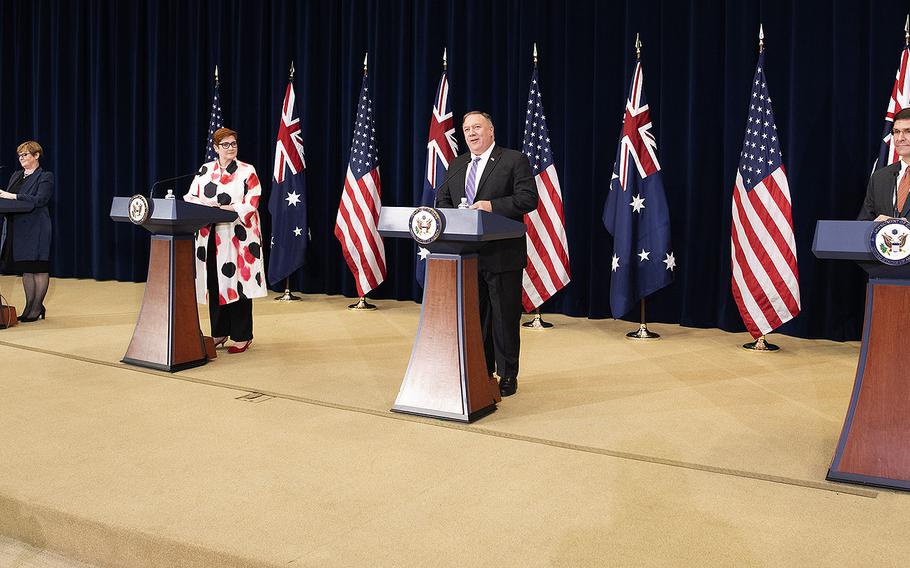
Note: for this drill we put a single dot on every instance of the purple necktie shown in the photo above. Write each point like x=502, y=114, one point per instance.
x=471, y=182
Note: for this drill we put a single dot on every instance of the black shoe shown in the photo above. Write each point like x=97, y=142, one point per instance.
x=41, y=315
x=508, y=386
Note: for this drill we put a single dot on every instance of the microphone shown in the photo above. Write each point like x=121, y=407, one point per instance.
x=450, y=175
x=197, y=173
x=897, y=174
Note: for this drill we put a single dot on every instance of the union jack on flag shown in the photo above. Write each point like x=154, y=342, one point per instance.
x=765, y=278
x=287, y=202
x=636, y=211
x=441, y=150
x=547, y=270
x=900, y=99
x=358, y=212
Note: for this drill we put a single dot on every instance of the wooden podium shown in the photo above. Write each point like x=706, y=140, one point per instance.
x=874, y=445
x=8, y=208
x=447, y=374
x=167, y=334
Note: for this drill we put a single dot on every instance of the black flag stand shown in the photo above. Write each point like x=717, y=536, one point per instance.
x=362, y=305
x=538, y=322
x=287, y=296
x=643, y=332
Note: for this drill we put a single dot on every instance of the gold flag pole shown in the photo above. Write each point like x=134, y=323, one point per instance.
x=362, y=305
x=538, y=321
x=642, y=333
x=907, y=32
x=288, y=296
x=761, y=344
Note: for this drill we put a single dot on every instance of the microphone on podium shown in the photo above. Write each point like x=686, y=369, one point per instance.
x=197, y=173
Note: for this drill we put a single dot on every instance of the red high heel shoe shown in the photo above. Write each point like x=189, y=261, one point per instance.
x=234, y=349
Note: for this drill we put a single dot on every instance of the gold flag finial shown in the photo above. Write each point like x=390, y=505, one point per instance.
x=761, y=38
x=535, y=54
x=292, y=70
x=637, y=46
x=216, y=75
x=365, y=55
x=445, y=63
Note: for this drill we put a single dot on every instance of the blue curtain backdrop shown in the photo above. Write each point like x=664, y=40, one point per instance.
x=118, y=95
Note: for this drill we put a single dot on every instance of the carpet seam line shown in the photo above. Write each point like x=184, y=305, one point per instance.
x=783, y=480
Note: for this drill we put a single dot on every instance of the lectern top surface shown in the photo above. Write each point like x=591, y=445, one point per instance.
x=173, y=216
x=460, y=224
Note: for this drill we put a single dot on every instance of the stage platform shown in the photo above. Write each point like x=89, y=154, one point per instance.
x=688, y=451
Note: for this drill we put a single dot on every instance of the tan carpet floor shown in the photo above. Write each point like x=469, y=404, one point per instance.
x=687, y=451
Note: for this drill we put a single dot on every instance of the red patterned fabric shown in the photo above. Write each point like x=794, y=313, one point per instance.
x=241, y=270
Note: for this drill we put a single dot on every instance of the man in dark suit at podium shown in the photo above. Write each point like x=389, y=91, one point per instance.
x=886, y=195
x=497, y=180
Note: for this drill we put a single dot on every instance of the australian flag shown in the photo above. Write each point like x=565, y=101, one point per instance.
x=287, y=202
x=636, y=212
x=441, y=150
x=215, y=122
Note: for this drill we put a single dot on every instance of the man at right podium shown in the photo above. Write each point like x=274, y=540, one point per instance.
x=886, y=195
x=497, y=180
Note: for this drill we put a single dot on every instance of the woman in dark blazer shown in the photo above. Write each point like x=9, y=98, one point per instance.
x=26, y=237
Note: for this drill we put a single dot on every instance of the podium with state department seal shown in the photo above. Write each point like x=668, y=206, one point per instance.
x=874, y=444
x=167, y=335
x=447, y=374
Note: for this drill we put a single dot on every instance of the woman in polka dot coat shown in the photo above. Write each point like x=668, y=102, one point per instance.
x=229, y=267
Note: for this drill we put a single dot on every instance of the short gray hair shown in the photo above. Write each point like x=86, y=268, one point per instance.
x=480, y=112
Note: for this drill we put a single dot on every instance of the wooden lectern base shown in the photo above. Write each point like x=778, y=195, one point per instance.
x=447, y=375
x=874, y=446
x=167, y=335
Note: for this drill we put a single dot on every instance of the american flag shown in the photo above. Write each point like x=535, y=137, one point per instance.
x=441, y=150
x=548, y=252
x=636, y=211
x=900, y=99
x=358, y=212
x=215, y=122
x=287, y=202
x=763, y=249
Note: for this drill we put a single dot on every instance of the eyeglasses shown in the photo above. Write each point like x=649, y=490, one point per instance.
x=227, y=145
x=24, y=154
x=897, y=133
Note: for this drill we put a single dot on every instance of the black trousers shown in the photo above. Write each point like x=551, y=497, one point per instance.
x=234, y=319
x=500, y=318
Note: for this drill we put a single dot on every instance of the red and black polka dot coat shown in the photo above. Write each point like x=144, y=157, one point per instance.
x=241, y=271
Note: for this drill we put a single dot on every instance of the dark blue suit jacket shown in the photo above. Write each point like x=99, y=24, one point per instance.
x=32, y=230
x=508, y=183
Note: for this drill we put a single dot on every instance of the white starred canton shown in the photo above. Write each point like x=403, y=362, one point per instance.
x=761, y=150
x=537, y=140
x=364, y=150
x=215, y=122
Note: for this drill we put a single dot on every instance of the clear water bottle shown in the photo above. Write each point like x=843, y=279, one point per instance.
x=464, y=203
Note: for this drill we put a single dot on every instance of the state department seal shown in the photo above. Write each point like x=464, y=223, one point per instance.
x=426, y=224
x=890, y=243
x=140, y=209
